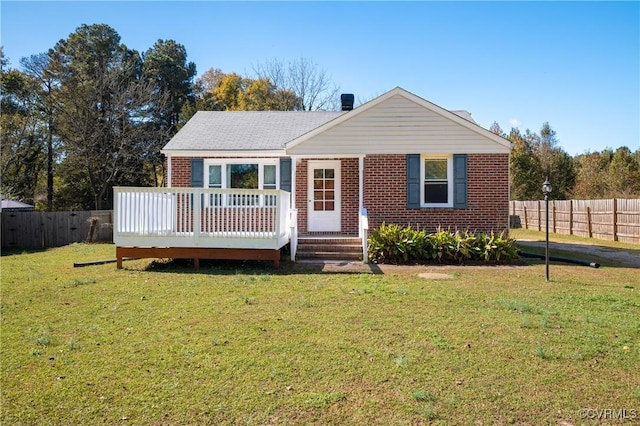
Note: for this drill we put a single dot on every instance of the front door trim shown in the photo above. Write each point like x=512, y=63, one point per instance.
x=324, y=196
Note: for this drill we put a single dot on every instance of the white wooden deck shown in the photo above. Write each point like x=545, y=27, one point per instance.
x=201, y=218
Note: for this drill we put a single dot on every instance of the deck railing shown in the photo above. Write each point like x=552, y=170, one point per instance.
x=364, y=234
x=201, y=217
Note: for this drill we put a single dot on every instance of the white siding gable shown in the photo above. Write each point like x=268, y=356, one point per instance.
x=399, y=123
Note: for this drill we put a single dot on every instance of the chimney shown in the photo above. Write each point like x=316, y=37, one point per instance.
x=347, y=101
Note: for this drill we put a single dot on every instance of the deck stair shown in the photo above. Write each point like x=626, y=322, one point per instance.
x=329, y=248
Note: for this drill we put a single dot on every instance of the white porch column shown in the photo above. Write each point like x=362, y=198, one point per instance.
x=168, y=183
x=360, y=193
x=294, y=161
x=360, y=183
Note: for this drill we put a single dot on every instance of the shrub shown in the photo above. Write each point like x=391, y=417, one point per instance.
x=401, y=245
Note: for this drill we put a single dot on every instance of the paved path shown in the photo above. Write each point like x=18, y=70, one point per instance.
x=628, y=257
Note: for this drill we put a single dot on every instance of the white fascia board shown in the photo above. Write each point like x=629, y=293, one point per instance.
x=324, y=156
x=234, y=154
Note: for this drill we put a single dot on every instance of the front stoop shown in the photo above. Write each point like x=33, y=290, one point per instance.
x=329, y=248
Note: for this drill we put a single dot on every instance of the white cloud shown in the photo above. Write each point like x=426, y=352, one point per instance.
x=515, y=122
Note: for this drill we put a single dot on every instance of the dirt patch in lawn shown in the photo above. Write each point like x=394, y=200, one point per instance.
x=435, y=276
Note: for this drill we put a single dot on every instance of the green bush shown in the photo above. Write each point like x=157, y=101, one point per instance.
x=401, y=245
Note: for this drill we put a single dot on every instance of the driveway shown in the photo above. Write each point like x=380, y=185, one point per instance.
x=627, y=257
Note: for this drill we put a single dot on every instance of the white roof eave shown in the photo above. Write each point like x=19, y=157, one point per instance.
x=211, y=153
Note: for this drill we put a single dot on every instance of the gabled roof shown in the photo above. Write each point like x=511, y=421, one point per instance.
x=245, y=131
x=397, y=121
x=461, y=118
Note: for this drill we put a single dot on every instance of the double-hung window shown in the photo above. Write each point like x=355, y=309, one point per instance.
x=241, y=174
x=437, y=181
x=215, y=181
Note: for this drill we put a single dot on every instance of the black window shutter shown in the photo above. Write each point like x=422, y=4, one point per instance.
x=285, y=174
x=197, y=172
x=460, y=181
x=413, y=181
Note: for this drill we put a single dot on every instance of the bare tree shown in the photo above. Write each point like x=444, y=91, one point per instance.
x=112, y=147
x=311, y=84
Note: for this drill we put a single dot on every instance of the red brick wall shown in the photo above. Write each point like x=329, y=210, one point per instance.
x=385, y=190
x=350, y=181
x=180, y=172
x=301, y=194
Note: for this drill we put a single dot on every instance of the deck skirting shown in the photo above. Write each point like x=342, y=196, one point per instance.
x=196, y=254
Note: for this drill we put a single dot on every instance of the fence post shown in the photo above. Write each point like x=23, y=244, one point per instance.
x=570, y=217
x=539, y=219
x=526, y=223
x=615, y=220
x=554, y=216
x=589, y=222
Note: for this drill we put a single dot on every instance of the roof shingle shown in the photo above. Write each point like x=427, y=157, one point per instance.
x=246, y=130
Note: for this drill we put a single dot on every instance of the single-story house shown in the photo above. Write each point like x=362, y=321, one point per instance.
x=395, y=159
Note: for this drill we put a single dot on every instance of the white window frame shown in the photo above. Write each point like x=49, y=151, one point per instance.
x=449, y=159
x=224, y=162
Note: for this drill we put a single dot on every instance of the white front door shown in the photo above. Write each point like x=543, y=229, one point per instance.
x=323, y=196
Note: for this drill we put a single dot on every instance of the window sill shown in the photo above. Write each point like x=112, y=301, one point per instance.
x=436, y=206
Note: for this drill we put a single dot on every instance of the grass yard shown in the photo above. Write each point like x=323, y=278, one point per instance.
x=161, y=344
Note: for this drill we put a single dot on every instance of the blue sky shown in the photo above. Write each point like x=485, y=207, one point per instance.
x=573, y=64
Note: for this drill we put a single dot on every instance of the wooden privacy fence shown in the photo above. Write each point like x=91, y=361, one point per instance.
x=614, y=219
x=55, y=229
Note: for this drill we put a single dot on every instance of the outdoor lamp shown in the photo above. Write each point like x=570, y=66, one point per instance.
x=546, y=189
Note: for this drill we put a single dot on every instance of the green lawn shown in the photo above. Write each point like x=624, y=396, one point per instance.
x=161, y=344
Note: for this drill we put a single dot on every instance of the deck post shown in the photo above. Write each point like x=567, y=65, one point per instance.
x=278, y=210
x=118, y=258
x=197, y=216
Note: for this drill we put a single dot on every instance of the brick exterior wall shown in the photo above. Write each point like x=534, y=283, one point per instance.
x=385, y=190
x=350, y=190
x=301, y=194
x=180, y=172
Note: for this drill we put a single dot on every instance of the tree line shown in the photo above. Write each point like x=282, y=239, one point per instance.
x=588, y=176
x=91, y=114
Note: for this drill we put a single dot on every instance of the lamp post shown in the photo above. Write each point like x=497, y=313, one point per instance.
x=546, y=189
